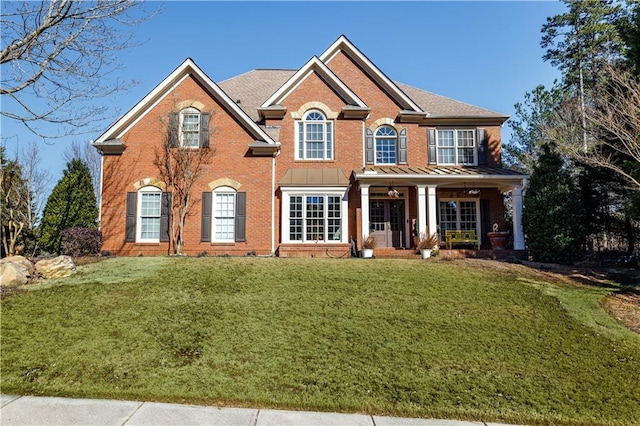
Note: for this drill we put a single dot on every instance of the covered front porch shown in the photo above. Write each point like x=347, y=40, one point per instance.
x=400, y=204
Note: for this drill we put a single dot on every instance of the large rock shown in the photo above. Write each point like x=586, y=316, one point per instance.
x=61, y=266
x=20, y=260
x=13, y=275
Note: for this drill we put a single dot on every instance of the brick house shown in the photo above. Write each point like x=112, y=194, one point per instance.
x=304, y=161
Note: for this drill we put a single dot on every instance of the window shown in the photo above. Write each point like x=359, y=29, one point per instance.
x=315, y=217
x=458, y=214
x=190, y=128
x=386, y=138
x=456, y=147
x=149, y=213
x=315, y=137
x=224, y=214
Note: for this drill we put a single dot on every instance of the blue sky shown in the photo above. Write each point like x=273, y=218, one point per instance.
x=484, y=53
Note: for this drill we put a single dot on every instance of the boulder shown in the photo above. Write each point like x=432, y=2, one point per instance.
x=13, y=275
x=20, y=260
x=61, y=266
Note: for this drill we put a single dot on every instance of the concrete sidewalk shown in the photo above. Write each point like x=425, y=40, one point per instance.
x=33, y=410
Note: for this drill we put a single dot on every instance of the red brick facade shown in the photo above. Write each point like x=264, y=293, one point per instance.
x=131, y=145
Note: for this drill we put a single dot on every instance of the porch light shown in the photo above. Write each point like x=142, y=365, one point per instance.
x=393, y=193
x=473, y=192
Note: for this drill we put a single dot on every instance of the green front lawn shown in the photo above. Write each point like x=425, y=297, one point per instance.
x=467, y=339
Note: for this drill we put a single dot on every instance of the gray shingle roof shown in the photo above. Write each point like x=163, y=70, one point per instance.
x=253, y=88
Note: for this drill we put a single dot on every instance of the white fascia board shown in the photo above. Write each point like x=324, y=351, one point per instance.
x=343, y=44
x=188, y=67
x=314, y=64
x=442, y=178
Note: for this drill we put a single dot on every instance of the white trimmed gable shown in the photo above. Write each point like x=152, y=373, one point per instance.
x=317, y=66
x=186, y=69
x=344, y=45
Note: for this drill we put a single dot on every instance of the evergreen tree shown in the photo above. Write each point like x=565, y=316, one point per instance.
x=71, y=204
x=529, y=124
x=629, y=28
x=553, y=215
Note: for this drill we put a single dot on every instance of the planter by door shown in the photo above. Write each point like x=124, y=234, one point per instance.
x=426, y=253
x=498, y=240
x=367, y=253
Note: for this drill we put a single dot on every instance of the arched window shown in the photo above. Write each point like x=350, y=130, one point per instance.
x=386, y=143
x=190, y=128
x=315, y=137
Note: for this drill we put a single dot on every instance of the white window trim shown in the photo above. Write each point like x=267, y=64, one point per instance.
x=455, y=146
x=190, y=111
x=222, y=190
x=458, y=200
x=324, y=132
x=288, y=192
x=375, y=145
x=146, y=189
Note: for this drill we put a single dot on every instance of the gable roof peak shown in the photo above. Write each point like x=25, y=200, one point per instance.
x=314, y=65
x=187, y=68
x=343, y=44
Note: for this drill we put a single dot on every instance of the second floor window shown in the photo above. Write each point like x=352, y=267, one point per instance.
x=315, y=137
x=386, y=139
x=456, y=147
x=190, y=128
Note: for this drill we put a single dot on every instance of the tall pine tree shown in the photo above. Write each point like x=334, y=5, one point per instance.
x=553, y=212
x=71, y=204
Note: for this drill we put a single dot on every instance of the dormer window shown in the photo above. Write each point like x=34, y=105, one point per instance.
x=386, y=142
x=315, y=137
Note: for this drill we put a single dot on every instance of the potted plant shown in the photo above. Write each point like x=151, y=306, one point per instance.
x=368, y=244
x=498, y=239
x=427, y=244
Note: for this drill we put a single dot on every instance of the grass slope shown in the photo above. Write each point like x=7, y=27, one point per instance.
x=397, y=337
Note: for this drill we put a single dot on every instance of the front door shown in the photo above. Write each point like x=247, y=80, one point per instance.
x=386, y=218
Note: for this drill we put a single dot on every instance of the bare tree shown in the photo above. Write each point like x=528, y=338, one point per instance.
x=614, y=121
x=180, y=168
x=90, y=157
x=13, y=204
x=60, y=53
x=37, y=181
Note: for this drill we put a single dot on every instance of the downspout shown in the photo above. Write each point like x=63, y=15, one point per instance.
x=100, y=189
x=273, y=202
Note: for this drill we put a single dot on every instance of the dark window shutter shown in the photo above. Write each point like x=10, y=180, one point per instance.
x=165, y=213
x=174, y=129
x=483, y=147
x=241, y=216
x=431, y=141
x=402, y=147
x=369, y=148
x=207, y=205
x=204, y=129
x=130, y=226
x=485, y=220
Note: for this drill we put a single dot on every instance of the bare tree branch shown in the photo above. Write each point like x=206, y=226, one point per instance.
x=60, y=53
x=180, y=168
x=614, y=126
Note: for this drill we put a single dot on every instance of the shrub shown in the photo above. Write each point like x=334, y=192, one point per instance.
x=81, y=241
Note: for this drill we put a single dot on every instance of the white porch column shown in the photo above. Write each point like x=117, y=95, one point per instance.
x=433, y=220
x=422, y=210
x=364, y=203
x=518, y=233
